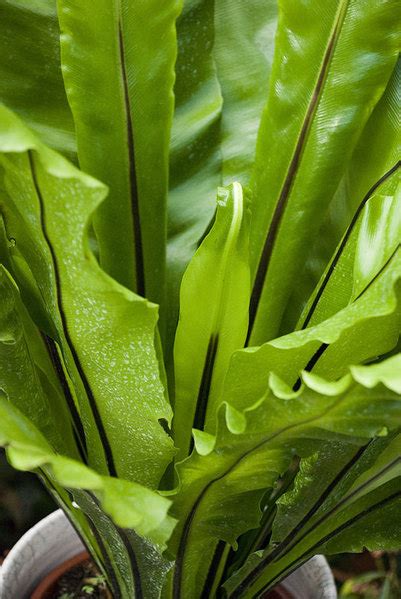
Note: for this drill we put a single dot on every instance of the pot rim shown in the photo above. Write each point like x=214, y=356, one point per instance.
x=27, y=538
x=36, y=553
x=48, y=581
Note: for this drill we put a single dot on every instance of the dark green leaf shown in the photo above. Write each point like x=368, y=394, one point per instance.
x=30, y=75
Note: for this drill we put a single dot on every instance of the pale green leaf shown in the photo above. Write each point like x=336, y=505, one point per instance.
x=243, y=52
x=365, y=172
x=359, y=332
x=22, y=379
x=367, y=245
x=137, y=507
x=195, y=160
x=213, y=317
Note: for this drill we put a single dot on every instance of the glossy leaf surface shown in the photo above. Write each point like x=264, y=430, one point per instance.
x=51, y=203
x=367, y=245
x=364, y=173
x=195, y=160
x=243, y=53
x=23, y=380
x=281, y=360
x=224, y=59
x=131, y=505
x=353, y=335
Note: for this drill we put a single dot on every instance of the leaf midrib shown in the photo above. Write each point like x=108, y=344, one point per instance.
x=60, y=305
x=294, y=165
x=219, y=309
x=301, y=559
x=132, y=175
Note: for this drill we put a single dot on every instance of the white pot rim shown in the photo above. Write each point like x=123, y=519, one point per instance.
x=42, y=548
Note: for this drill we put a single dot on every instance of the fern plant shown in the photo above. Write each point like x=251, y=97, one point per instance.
x=211, y=390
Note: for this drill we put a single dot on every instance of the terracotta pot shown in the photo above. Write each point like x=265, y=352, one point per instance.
x=53, y=542
x=46, y=587
x=279, y=593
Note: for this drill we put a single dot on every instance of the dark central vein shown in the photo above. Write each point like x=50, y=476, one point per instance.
x=344, y=241
x=107, y=563
x=133, y=562
x=179, y=562
x=122, y=533
x=311, y=364
x=288, y=181
x=213, y=571
x=78, y=429
x=205, y=384
x=103, y=556
x=92, y=402
x=136, y=221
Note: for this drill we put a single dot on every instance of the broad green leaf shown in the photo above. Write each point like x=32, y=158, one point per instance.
x=372, y=524
x=129, y=504
x=318, y=476
x=378, y=373
x=220, y=493
x=115, y=55
x=44, y=353
x=382, y=136
x=22, y=380
x=362, y=330
x=243, y=52
x=364, y=175
x=352, y=471
x=30, y=75
x=119, y=391
x=309, y=130
x=131, y=564
x=213, y=317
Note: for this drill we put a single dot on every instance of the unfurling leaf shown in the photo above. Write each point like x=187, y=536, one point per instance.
x=213, y=317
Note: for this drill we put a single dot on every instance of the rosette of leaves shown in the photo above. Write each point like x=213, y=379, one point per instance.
x=211, y=390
